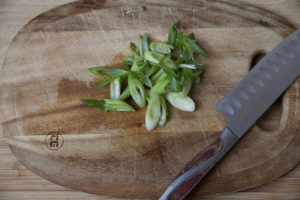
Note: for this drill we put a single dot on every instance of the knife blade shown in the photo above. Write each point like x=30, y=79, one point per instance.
x=242, y=107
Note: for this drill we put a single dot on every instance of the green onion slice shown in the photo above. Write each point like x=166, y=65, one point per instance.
x=115, y=88
x=145, y=42
x=184, y=103
x=172, y=35
x=168, y=62
x=113, y=72
x=160, y=87
x=137, y=90
x=190, y=66
x=162, y=48
x=163, y=111
x=187, y=84
x=93, y=103
x=117, y=105
x=153, y=57
x=125, y=94
x=152, y=113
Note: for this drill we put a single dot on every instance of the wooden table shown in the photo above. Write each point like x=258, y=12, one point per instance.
x=17, y=182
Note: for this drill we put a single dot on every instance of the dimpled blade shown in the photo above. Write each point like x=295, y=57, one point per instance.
x=258, y=90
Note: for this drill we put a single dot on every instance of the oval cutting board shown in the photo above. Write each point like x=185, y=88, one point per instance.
x=45, y=76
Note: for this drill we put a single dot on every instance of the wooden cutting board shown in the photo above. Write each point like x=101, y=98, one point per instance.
x=44, y=78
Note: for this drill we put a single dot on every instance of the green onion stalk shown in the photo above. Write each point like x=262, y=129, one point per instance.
x=137, y=90
x=153, y=112
x=115, y=88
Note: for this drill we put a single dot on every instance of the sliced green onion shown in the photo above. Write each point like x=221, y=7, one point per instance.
x=187, y=84
x=144, y=79
x=115, y=72
x=184, y=103
x=161, y=47
x=163, y=111
x=141, y=49
x=160, y=87
x=145, y=42
x=137, y=63
x=155, y=76
x=125, y=94
x=104, y=82
x=151, y=70
x=127, y=62
x=161, y=77
x=153, y=56
x=117, y=105
x=115, y=88
x=137, y=90
x=195, y=47
x=152, y=113
x=172, y=35
x=133, y=48
x=176, y=85
x=190, y=66
x=93, y=103
x=168, y=73
x=168, y=62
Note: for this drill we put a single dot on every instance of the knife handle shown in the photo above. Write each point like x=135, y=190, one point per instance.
x=199, y=166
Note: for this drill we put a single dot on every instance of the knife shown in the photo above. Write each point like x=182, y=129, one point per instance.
x=242, y=106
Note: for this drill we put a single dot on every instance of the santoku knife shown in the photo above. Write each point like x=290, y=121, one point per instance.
x=242, y=106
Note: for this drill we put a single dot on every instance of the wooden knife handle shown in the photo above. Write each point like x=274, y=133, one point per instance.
x=199, y=166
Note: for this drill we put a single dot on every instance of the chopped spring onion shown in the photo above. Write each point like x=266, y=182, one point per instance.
x=172, y=35
x=160, y=87
x=168, y=62
x=184, y=103
x=137, y=90
x=163, y=111
x=141, y=49
x=154, y=72
x=117, y=105
x=161, y=47
x=187, y=84
x=153, y=56
x=138, y=63
x=152, y=113
x=125, y=94
x=161, y=76
x=145, y=42
x=155, y=76
x=190, y=66
x=93, y=103
x=108, y=104
x=115, y=88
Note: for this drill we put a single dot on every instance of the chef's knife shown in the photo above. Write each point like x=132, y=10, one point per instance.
x=242, y=106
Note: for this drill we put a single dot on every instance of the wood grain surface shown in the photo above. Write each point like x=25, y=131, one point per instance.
x=66, y=85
